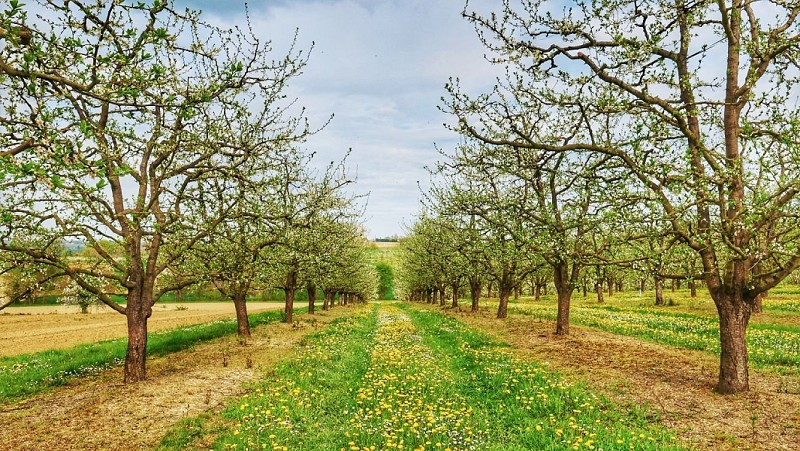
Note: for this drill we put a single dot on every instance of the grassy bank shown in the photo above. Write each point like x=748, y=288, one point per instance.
x=27, y=374
x=769, y=345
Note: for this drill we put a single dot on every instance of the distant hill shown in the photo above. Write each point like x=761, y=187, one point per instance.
x=74, y=246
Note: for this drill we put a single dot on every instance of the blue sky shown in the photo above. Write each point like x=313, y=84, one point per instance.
x=380, y=67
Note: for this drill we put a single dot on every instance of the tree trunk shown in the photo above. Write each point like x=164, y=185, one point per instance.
x=673, y=285
x=137, y=312
x=564, y=291
x=312, y=297
x=659, y=282
x=505, y=294
x=599, y=289
x=733, y=371
x=585, y=291
x=692, y=288
x=475, y=292
x=758, y=302
x=610, y=281
x=537, y=292
x=516, y=293
x=289, y=306
x=455, y=295
x=242, y=321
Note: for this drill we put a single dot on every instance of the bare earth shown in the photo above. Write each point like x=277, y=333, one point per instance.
x=675, y=384
x=35, y=329
x=103, y=413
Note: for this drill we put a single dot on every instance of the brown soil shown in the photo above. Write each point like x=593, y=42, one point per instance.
x=103, y=413
x=675, y=385
x=34, y=329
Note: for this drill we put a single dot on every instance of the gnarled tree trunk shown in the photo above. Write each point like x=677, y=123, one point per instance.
x=137, y=312
x=734, y=314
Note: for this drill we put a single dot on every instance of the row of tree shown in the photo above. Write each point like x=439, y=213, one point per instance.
x=621, y=130
x=167, y=146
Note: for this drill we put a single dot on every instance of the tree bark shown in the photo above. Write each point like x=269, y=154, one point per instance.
x=327, y=299
x=502, y=308
x=242, y=321
x=312, y=297
x=733, y=370
x=441, y=296
x=288, y=308
x=659, y=283
x=138, y=310
x=562, y=320
x=455, y=295
x=537, y=292
x=475, y=292
x=758, y=306
x=692, y=288
x=564, y=289
x=599, y=289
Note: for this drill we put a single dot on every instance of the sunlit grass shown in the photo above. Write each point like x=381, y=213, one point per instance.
x=769, y=345
x=413, y=380
x=523, y=405
x=304, y=400
x=27, y=374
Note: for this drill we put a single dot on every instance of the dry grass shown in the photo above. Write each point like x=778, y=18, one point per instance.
x=35, y=329
x=676, y=385
x=103, y=413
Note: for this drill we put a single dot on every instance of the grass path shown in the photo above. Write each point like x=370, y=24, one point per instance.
x=404, y=378
x=676, y=385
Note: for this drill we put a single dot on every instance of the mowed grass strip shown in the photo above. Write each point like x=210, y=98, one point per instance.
x=419, y=380
x=408, y=399
x=25, y=375
x=773, y=346
x=303, y=403
x=525, y=406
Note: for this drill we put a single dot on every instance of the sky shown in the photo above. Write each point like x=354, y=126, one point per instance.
x=379, y=66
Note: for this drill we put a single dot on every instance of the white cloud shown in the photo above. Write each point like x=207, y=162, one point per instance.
x=380, y=67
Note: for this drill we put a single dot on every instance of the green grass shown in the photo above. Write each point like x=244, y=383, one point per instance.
x=27, y=374
x=769, y=345
x=526, y=406
x=172, y=298
x=409, y=379
x=304, y=400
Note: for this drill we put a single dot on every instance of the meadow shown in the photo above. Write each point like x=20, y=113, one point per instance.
x=773, y=337
x=392, y=375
